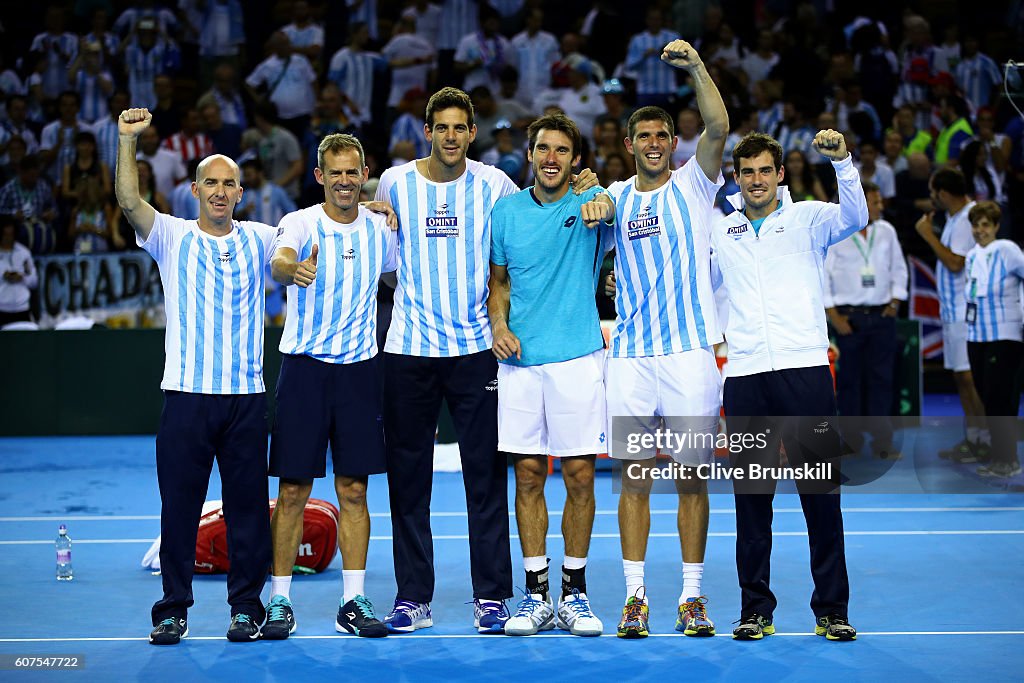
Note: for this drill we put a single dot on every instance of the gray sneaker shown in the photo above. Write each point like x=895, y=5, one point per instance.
x=533, y=614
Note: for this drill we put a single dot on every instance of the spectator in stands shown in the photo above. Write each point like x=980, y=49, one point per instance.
x=226, y=138
x=757, y=64
x=506, y=154
x=800, y=178
x=616, y=168
x=105, y=129
x=221, y=40
x=262, y=201
x=426, y=17
x=892, y=151
x=354, y=69
x=110, y=44
x=285, y=79
x=793, y=131
x=914, y=138
x=183, y=203
x=688, y=130
x=485, y=115
x=18, y=276
x=458, y=18
x=365, y=12
x=876, y=171
x=91, y=81
x=614, y=95
x=917, y=68
x=956, y=132
x=276, y=147
x=57, y=140
x=167, y=167
x=305, y=35
x=656, y=81
x=408, y=139
x=330, y=117
x=147, y=11
x=581, y=101
x=848, y=103
x=86, y=165
x=190, y=142
x=57, y=48
x=984, y=183
x=977, y=75
x=481, y=55
x=166, y=112
x=17, y=124
x=14, y=151
x=411, y=58
x=536, y=51
x=913, y=198
x=29, y=198
x=226, y=95
x=147, y=55
x=89, y=227
x=865, y=283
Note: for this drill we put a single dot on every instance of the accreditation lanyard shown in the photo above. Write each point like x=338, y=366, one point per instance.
x=867, y=273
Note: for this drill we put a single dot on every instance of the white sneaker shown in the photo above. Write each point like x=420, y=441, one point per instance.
x=575, y=616
x=533, y=614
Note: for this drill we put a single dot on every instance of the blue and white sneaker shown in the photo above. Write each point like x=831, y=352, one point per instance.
x=533, y=614
x=408, y=616
x=575, y=616
x=489, y=616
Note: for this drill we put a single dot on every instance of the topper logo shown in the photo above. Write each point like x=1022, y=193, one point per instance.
x=644, y=212
x=441, y=210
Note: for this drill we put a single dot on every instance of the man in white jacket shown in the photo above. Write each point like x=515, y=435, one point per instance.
x=770, y=254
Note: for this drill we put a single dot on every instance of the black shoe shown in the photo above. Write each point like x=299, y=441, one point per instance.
x=280, y=619
x=835, y=627
x=959, y=451
x=170, y=631
x=243, y=629
x=356, y=616
x=753, y=627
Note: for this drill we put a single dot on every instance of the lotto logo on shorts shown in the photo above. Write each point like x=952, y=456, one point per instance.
x=442, y=226
x=643, y=227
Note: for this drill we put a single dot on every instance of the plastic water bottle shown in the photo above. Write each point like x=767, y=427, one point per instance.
x=64, y=571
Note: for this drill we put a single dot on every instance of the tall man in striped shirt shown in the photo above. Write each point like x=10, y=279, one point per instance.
x=662, y=362
x=329, y=391
x=214, y=402
x=438, y=347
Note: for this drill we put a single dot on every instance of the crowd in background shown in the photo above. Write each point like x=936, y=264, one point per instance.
x=914, y=86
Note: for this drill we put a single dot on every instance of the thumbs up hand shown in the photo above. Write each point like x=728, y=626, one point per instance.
x=305, y=271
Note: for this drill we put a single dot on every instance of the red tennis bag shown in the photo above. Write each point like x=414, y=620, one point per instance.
x=316, y=550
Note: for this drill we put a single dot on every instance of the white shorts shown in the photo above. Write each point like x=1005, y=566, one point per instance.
x=954, y=347
x=680, y=392
x=553, y=409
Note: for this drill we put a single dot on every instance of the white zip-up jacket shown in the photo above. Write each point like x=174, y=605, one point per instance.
x=774, y=279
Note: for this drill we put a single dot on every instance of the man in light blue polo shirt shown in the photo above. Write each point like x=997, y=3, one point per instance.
x=545, y=258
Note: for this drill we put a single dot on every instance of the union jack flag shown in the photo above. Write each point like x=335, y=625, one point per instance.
x=924, y=306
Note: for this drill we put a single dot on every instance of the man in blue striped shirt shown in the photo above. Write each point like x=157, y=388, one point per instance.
x=212, y=272
x=329, y=391
x=661, y=368
x=655, y=80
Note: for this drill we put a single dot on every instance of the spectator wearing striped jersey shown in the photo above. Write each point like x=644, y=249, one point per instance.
x=190, y=142
x=147, y=54
x=331, y=255
x=948, y=189
x=91, y=81
x=105, y=129
x=29, y=198
x=977, y=74
x=226, y=95
x=355, y=70
x=214, y=402
x=995, y=272
x=305, y=35
x=57, y=139
x=58, y=49
x=655, y=81
x=263, y=201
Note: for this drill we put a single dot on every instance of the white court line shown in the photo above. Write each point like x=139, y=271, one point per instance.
x=716, y=511
x=713, y=534
x=492, y=636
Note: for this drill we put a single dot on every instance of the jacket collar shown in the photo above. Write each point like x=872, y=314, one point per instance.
x=781, y=193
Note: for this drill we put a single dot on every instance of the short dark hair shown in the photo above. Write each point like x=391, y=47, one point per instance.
x=870, y=187
x=559, y=122
x=950, y=180
x=986, y=209
x=957, y=103
x=754, y=144
x=254, y=163
x=650, y=114
x=446, y=98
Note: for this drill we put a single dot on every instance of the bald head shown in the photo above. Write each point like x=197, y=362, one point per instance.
x=213, y=162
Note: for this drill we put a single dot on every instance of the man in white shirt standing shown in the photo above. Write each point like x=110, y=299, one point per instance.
x=214, y=399
x=949, y=193
x=17, y=275
x=770, y=254
x=866, y=280
x=330, y=390
x=288, y=79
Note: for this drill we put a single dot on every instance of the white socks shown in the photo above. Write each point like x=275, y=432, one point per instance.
x=280, y=585
x=574, y=562
x=693, y=572
x=352, y=583
x=634, y=573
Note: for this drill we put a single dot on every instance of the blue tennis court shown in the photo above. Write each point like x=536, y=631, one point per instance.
x=936, y=588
